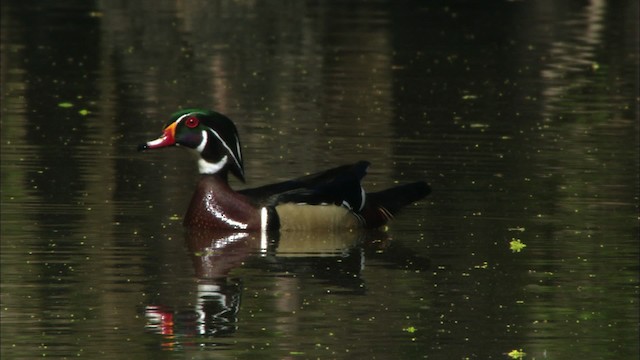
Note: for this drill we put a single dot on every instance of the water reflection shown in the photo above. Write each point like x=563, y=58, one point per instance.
x=335, y=259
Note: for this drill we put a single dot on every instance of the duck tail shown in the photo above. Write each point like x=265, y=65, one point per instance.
x=383, y=205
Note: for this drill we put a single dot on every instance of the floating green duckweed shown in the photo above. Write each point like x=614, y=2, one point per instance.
x=516, y=354
x=410, y=329
x=516, y=245
x=65, y=105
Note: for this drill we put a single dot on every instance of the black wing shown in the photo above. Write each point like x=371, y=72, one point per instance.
x=339, y=186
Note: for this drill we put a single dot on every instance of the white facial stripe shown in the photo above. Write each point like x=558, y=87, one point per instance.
x=183, y=117
x=206, y=167
x=239, y=152
x=203, y=143
x=228, y=148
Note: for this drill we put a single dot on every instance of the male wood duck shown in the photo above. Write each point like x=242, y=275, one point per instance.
x=331, y=199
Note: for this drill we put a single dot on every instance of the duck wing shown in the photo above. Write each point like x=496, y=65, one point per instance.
x=339, y=186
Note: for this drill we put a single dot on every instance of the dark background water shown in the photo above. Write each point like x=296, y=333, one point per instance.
x=523, y=116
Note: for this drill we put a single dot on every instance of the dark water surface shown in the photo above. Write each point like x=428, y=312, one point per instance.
x=523, y=116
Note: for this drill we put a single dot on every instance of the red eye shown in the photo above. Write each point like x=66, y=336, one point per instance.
x=192, y=122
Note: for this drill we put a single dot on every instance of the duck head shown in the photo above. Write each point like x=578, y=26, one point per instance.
x=211, y=135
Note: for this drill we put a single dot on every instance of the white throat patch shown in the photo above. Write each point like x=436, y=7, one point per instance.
x=206, y=167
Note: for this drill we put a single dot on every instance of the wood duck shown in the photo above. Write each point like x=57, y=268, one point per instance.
x=331, y=199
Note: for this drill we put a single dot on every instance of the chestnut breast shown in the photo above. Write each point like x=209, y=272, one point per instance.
x=214, y=205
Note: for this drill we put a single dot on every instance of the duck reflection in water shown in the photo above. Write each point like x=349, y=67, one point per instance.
x=334, y=258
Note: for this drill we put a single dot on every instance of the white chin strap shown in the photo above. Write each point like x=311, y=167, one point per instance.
x=206, y=167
